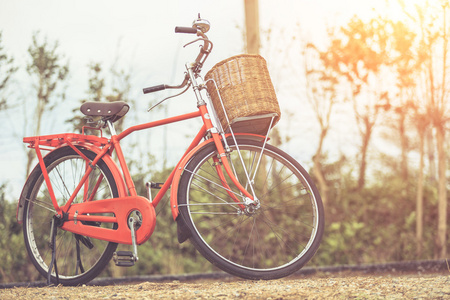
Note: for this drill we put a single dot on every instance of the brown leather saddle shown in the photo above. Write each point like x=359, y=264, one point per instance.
x=111, y=111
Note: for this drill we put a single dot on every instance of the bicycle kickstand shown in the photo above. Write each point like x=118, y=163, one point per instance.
x=52, y=245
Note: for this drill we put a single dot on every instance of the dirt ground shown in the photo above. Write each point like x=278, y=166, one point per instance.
x=324, y=286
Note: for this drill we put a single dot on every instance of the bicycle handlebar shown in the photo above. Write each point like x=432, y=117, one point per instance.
x=161, y=87
x=205, y=50
x=154, y=88
x=180, y=29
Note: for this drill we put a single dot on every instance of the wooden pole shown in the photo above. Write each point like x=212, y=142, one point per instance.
x=252, y=26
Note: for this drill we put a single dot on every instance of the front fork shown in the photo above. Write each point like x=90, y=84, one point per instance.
x=221, y=160
x=248, y=198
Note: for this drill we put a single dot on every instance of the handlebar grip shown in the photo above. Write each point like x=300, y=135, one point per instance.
x=154, y=88
x=180, y=29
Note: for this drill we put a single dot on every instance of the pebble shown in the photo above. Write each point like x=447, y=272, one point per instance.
x=431, y=286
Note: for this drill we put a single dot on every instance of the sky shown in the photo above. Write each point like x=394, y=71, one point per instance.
x=139, y=36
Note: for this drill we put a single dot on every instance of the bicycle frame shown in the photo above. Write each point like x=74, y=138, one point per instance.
x=128, y=199
x=93, y=211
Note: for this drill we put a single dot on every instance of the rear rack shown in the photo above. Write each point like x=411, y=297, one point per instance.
x=56, y=140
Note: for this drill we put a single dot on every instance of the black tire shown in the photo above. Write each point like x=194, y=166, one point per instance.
x=65, y=168
x=269, y=242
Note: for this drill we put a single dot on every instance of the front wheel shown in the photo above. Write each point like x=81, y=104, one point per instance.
x=266, y=240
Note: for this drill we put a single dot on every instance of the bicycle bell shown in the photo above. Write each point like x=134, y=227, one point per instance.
x=201, y=24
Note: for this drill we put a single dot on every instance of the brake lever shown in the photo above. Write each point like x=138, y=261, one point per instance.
x=167, y=98
x=200, y=39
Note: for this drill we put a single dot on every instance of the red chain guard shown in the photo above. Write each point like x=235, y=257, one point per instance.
x=80, y=215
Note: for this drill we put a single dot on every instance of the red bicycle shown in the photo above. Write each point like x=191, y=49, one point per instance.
x=247, y=206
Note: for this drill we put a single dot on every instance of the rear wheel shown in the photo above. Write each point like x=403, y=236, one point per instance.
x=268, y=240
x=79, y=259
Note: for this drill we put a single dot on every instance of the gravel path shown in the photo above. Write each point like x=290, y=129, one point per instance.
x=335, y=286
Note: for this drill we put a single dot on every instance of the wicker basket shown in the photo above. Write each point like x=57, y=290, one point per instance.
x=247, y=93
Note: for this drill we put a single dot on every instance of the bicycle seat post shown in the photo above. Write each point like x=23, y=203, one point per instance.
x=110, y=125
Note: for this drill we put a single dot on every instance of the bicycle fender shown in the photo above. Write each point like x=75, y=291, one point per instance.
x=182, y=164
x=25, y=194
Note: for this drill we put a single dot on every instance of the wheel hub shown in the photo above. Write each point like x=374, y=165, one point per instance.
x=251, y=206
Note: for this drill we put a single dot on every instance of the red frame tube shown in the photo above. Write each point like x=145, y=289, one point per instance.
x=46, y=177
x=157, y=123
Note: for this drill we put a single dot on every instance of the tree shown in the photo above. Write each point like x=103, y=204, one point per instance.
x=406, y=66
x=360, y=56
x=48, y=70
x=422, y=124
x=408, y=62
x=321, y=90
x=439, y=117
x=7, y=69
x=430, y=20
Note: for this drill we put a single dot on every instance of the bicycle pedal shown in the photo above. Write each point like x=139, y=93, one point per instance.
x=152, y=185
x=124, y=258
x=156, y=185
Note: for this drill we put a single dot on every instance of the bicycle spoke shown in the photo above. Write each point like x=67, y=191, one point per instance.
x=248, y=241
x=272, y=225
x=274, y=187
x=233, y=229
x=212, y=173
x=64, y=184
x=210, y=193
x=270, y=205
x=42, y=204
x=206, y=204
x=218, y=185
x=212, y=213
